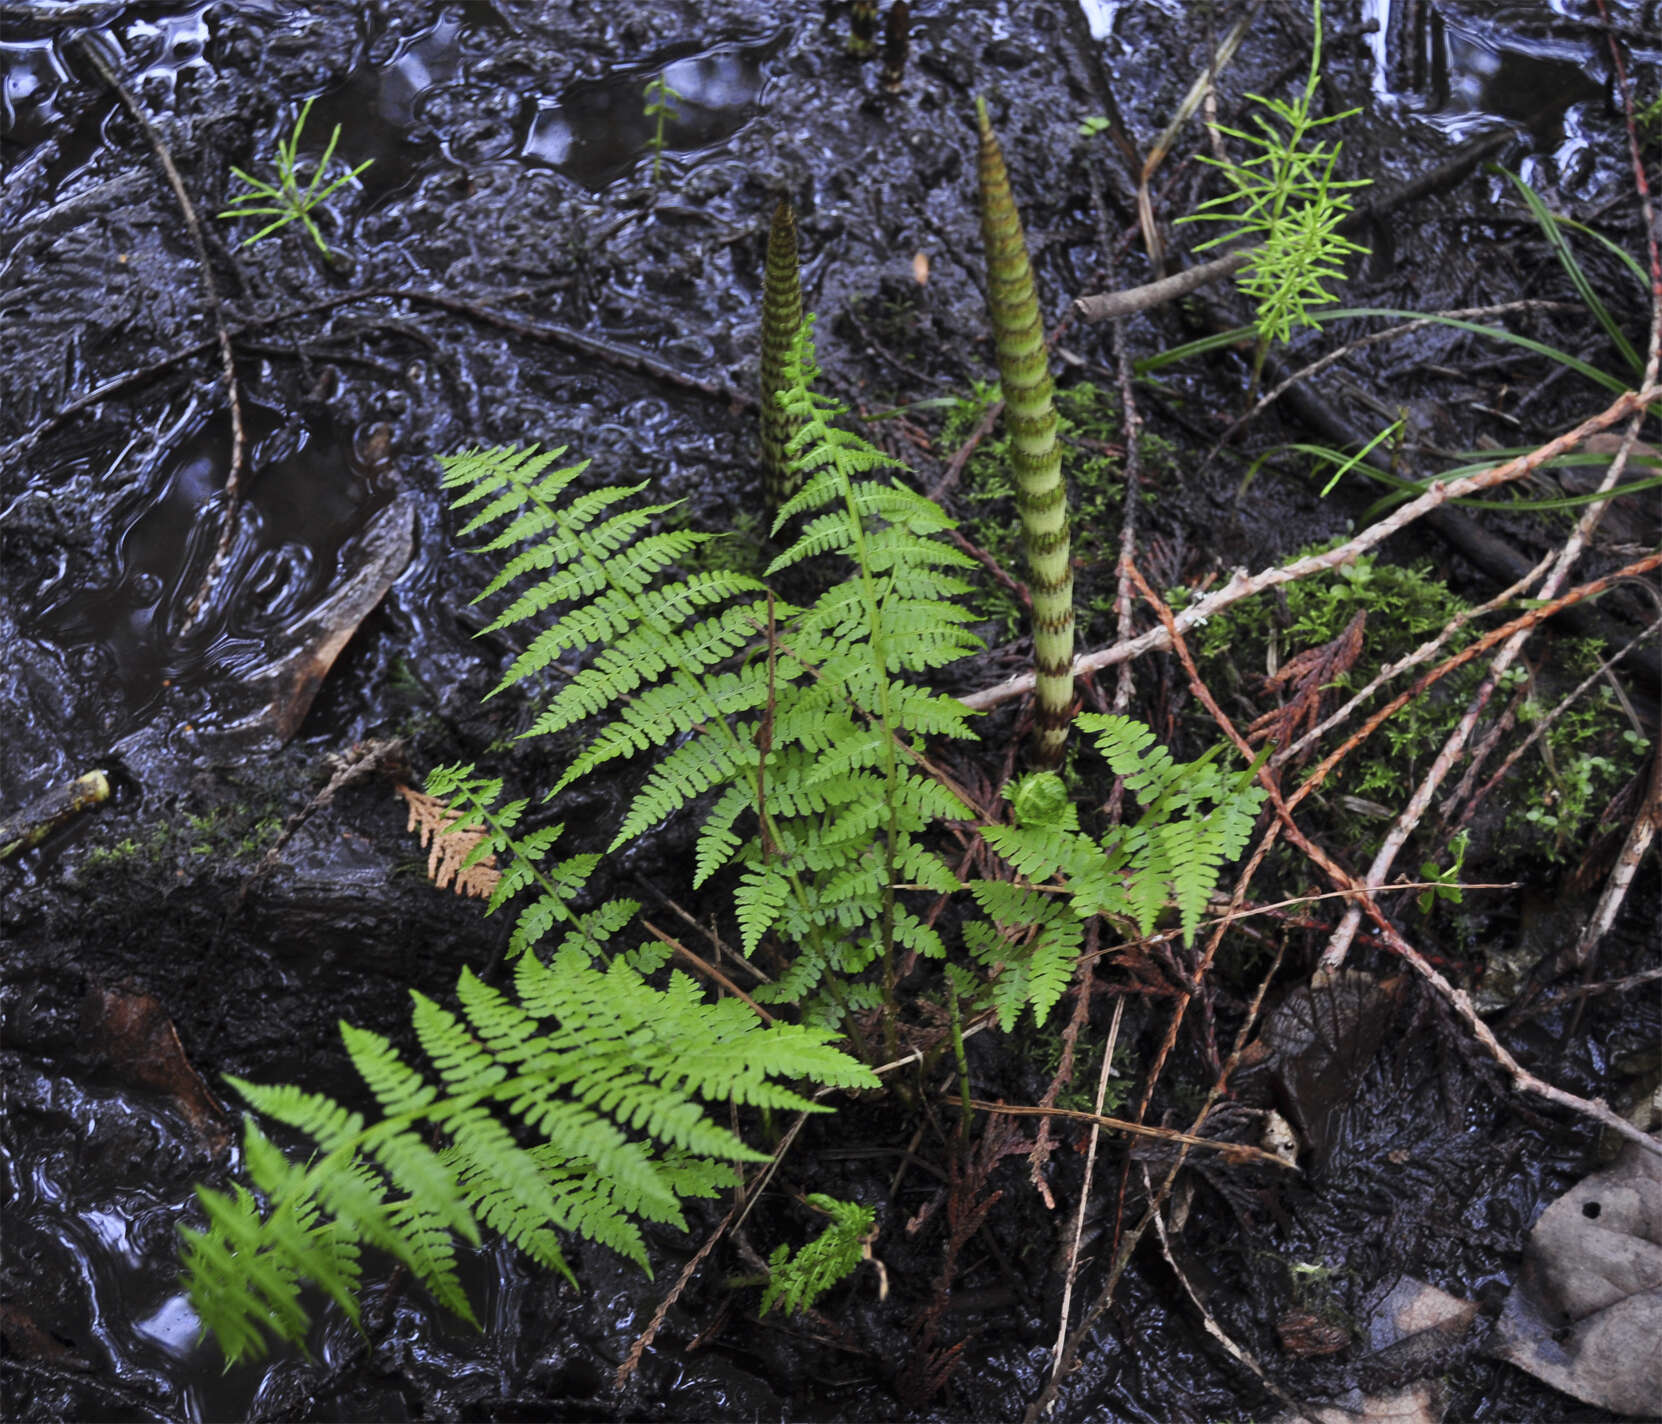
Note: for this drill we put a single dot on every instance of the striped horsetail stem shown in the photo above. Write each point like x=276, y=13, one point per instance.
x=1036, y=454
x=781, y=320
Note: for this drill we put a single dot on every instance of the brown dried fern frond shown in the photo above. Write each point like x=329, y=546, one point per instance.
x=1309, y=675
x=448, y=849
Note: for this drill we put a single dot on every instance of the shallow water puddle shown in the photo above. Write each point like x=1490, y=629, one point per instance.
x=308, y=493
x=1460, y=67
x=596, y=130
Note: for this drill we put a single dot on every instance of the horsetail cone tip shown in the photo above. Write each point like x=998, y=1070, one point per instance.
x=781, y=320
x=1035, y=452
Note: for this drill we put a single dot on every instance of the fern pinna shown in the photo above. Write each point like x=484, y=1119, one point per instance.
x=1196, y=818
x=576, y=1104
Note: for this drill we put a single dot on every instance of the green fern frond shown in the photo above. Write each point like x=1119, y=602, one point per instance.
x=608, y=1074
x=798, y=1280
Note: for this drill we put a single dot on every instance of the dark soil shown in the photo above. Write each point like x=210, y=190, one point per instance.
x=509, y=271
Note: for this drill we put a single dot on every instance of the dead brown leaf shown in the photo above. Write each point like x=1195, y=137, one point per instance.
x=1309, y=675
x=1586, y=1313
x=137, y=1038
x=447, y=849
x=1420, y=1403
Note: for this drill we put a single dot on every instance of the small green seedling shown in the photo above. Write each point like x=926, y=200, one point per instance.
x=659, y=107
x=286, y=200
x=1445, y=884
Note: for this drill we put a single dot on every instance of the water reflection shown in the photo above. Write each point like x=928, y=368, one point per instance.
x=597, y=130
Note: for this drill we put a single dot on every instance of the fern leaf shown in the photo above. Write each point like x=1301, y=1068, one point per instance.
x=760, y=896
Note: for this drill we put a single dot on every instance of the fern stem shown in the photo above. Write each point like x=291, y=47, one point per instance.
x=781, y=320
x=877, y=649
x=966, y=1114
x=1035, y=453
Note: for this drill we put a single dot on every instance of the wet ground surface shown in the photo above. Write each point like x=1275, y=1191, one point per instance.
x=510, y=269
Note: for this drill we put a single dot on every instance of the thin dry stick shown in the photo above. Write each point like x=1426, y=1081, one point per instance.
x=1105, y=306
x=1085, y=1192
x=961, y=457
x=705, y=968
x=1339, y=945
x=1133, y=422
x=1583, y=991
x=723, y=949
x=1639, y=837
x=1544, y=724
x=1236, y=1151
x=1422, y=654
x=1243, y=585
x=1334, y=955
x=1497, y=731
x=233, y=479
x=1122, y=1255
x=1576, y=595
x=1217, y=62
x=1216, y=1331
x=1595, y=1108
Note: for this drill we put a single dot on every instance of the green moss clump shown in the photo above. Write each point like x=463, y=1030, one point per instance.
x=1556, y=790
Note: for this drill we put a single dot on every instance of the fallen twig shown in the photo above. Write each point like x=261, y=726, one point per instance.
x=1132, y=420
x=1422, y=654
x=1465, y=655
x=233, y=478
x=1240, y=1151
x=961, y=456
x=1242, y=585
x=1594, y=1109
x=1544, y=723
x=1072, y=1269
x=1108, y=306
x=1639, y=837
x=705, y=968
x=1454, y=746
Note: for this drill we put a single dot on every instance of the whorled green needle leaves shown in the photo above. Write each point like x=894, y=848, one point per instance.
x=286, y=200
x=1287, y=198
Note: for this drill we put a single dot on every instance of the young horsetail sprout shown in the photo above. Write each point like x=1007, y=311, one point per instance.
x=1035, y=453
x=897, y=44
x=781, y=320
x=660, y=106
x=862, y=29
x=285, y=200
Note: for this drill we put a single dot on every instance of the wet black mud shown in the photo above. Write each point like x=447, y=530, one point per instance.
x=518, y=264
